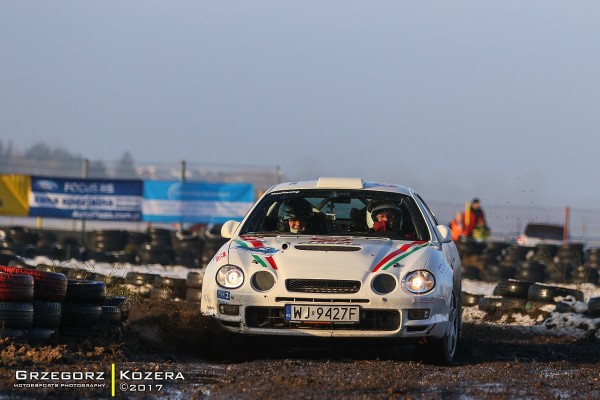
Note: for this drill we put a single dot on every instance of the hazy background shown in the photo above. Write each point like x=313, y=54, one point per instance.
x=495, y=99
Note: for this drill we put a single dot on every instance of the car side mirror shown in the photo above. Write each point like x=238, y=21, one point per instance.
x=445, y=233
x=229, y=228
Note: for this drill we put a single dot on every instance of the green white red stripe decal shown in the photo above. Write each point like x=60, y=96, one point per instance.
x=265, y=261
x=397, y=255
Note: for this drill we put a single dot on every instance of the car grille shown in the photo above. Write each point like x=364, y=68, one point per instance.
x=274, y=318
x=321, y=286
x=326, y=248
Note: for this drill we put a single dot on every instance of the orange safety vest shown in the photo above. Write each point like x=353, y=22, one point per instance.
x=457, y=229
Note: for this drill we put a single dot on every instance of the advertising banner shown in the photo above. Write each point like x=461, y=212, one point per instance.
x=196, y=202
x=13, y=195
x=90, y=199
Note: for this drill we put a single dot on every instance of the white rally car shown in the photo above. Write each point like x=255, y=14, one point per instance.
x=339, y=257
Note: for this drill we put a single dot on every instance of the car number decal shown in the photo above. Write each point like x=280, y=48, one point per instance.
x=223, y=294
x=397, y=255
x=265, y=256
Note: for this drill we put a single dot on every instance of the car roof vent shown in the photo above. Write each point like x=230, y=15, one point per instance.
x=340, y=183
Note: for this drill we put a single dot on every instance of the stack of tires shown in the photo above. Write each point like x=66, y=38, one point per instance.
x=211, y=236
x=187, y=249
x=20, y=241
x=514, y=296
x=134, y=242
x=47, y=246
x=159, y=250
x=140, y=283
x=82, y=307
x=193, y=285
x=71, y=248
x=491, y=270
x=166, y=288
x=104, y=244
x=38, y=309
x=567, y=258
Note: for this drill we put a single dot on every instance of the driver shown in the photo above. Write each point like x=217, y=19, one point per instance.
x=384, y=216
x=294, y=215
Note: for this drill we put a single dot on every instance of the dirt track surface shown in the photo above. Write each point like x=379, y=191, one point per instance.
x=495, y=361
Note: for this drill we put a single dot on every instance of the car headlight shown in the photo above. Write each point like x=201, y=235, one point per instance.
x=419, y=282
x=230, y=277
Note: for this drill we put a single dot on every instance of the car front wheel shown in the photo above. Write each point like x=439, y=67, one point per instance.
x=442, y=351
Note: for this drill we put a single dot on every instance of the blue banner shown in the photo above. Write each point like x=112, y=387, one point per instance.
x=196, y=202
x=90, y=199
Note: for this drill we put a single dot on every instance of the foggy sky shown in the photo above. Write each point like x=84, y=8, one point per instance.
x=495, y=99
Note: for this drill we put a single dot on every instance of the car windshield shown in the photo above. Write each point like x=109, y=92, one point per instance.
x=543, y=231
x=338, y=212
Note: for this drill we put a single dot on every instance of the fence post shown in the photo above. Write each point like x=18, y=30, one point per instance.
x=566, y=228
x=278, y=176
x=84, y=175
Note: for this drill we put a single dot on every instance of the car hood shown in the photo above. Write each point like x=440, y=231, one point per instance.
x=327, y=257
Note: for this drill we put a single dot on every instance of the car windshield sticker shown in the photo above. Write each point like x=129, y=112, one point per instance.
x=397, y=255
x=253, y=245
x=329, y=240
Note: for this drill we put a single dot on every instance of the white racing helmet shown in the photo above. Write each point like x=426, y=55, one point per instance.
x=378, y=207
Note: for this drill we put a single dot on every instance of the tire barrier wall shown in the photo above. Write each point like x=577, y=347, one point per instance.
x=191, y=249
x=35, y=303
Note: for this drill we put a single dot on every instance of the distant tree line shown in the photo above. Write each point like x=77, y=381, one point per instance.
x=41, y=158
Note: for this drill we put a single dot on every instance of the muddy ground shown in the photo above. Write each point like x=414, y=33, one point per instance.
x=166, y=343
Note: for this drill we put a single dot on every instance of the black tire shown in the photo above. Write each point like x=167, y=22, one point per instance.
x=551, y=294
x=512, y=288
x=594, y=307
x=37, y=335
x=469, y=299
x=53, y=268
x=503, y=304
x=11, y=333
x=80, y=274
x=584, y=274
x=193, y=295
x=110, y=280
x=81, y=315
x=111, y=314
x=46, y=314
x=6, y=256
x=194, y=279
x=470, y=272
x=16, y=315
x=442, y=351
x=88, y=292
x=140, y=278
x=123, y=303
x=161, y=293
x=174, y=283
x=50, y=286
x=564, y=307
x=495, y=272
x=530, y=276
x=15, y=287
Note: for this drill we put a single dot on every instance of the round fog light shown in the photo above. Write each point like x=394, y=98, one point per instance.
x=384, y=284
x=263, y=281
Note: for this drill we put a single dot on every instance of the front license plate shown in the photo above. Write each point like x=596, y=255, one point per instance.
x=314, y=313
